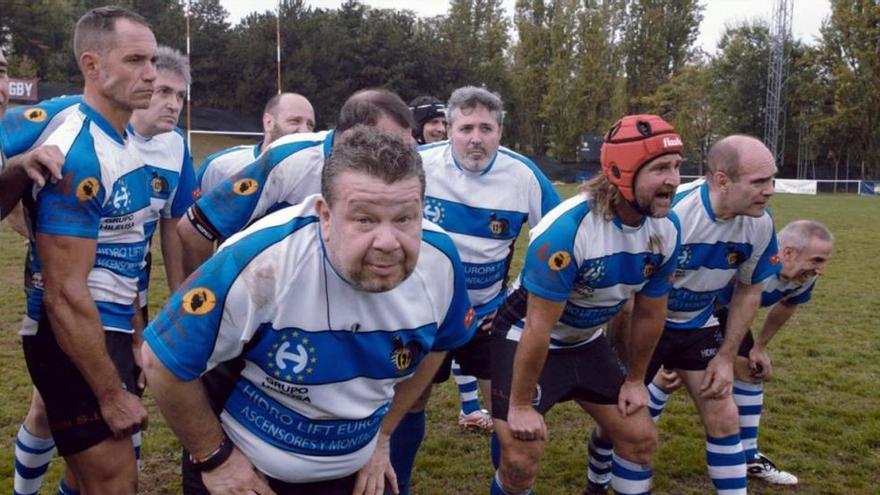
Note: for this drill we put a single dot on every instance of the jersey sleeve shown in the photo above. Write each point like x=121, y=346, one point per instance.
x=186, y=186
x=458, y=325
x=73, y=205
x=207, y=320
x=764, y=262
x=23, y=128
x=660, y=282
x=549, y=269
x=542, y=197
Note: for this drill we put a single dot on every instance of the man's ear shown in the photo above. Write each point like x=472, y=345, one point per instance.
x=268, y=120
x=322, y=208
x=90, y=64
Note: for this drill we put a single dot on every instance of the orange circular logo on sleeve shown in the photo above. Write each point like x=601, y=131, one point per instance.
x=87, y=189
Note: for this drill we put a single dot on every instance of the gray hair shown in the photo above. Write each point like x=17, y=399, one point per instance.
x=374, y=152
x=94, y=26
x=799, y=233
x=173, y=61
x=469, y=97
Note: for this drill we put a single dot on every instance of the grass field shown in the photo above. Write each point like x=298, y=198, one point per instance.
x=822, y=412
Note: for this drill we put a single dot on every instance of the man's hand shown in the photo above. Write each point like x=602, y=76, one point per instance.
x=633, y=396
x=718, y=379
x=526, y=423
x=43, y=163
x=236, y=476
x=486, y=322
x=371, y=477
x=668, y=380
x=759, y=363
x=122, y=411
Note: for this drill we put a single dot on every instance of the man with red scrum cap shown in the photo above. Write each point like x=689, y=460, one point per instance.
x=614, y=240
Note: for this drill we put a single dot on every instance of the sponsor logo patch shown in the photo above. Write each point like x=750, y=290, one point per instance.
x=559, y=260
x=87, y=189
x=245, y=187
x=469, y=317
x=35, y=115
x=199, y=301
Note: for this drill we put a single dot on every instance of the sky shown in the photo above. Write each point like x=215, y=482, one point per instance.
x=806, y=19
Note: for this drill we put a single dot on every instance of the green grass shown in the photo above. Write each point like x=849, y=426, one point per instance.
x=822, y=412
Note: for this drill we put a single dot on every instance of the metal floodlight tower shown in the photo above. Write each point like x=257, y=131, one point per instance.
x=777, y=71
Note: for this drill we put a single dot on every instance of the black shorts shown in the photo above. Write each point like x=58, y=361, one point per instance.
x=72, y=408
x=590, y=372
x=475, y=358
x=192, y=484
x=748, y=340
x=685, y=349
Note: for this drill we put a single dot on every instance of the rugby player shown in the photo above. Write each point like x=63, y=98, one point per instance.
x=283, y=175
x=89, y=247
x=726, y=233
x=285, y=113
x=172, y=180
x=614, y=240
x=482, y=194
x=805, y=247
x=331, y=303
x=429, y=115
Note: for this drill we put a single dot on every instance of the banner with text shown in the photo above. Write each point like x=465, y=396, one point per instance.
x=23, y=90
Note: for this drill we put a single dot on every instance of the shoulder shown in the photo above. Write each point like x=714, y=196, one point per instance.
x=565, y=217
x=521, y=163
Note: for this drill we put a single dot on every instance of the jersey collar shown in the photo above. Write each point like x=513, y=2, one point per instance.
x=328, y=142
x=102, y=123
x=707, y=203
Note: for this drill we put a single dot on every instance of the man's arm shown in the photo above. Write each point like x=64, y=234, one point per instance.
x=718, y=380
x=36, y=166
x=528, y=362
x=371, y=478
x=186, y=409
x=172, y=252
x=648, y=318
x=66, y=263
x=759, y=359
x=195, y=248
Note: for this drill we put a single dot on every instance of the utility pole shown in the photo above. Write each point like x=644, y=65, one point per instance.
x=777, y=72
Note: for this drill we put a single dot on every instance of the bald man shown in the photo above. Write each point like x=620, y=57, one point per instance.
x=726, y=232
x=285, y=113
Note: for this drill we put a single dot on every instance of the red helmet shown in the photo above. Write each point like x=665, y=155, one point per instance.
x=632, y=142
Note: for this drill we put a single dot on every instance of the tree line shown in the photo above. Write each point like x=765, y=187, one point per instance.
x=565, y=68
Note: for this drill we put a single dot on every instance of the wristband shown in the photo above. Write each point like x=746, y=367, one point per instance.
x=215, y=458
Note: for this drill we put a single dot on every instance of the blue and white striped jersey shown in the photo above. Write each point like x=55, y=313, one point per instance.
x=24, y=128
x=595, y=266
x=322, y=357
x=713, y=251
x=172, y=182
x=285, y=174
x=777, y=288
x=225, y=163
x=104, y=195
x=484, y=213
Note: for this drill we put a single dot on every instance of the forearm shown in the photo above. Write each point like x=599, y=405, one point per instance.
x=185, y=407
x=776, y=318
x=172, y=253
x=78, y=330
x=195, y=248
x=528, y=362
x=645, y=331
x=741, y=313
x=408, y=391
x=14, y=182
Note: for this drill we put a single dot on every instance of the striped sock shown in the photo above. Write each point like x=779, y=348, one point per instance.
x=136, y=441
x=727, y=464
x=599, y=465
x=657, y=399
x=630, y=478
x=32, y=456
x=467, y=389
x=749, y=398
x=65, y=489
x=405, y=443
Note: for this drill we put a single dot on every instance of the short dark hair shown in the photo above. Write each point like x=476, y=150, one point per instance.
x=374, y=152
x=367, y=106
x=94, y=25
x=468, y=97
